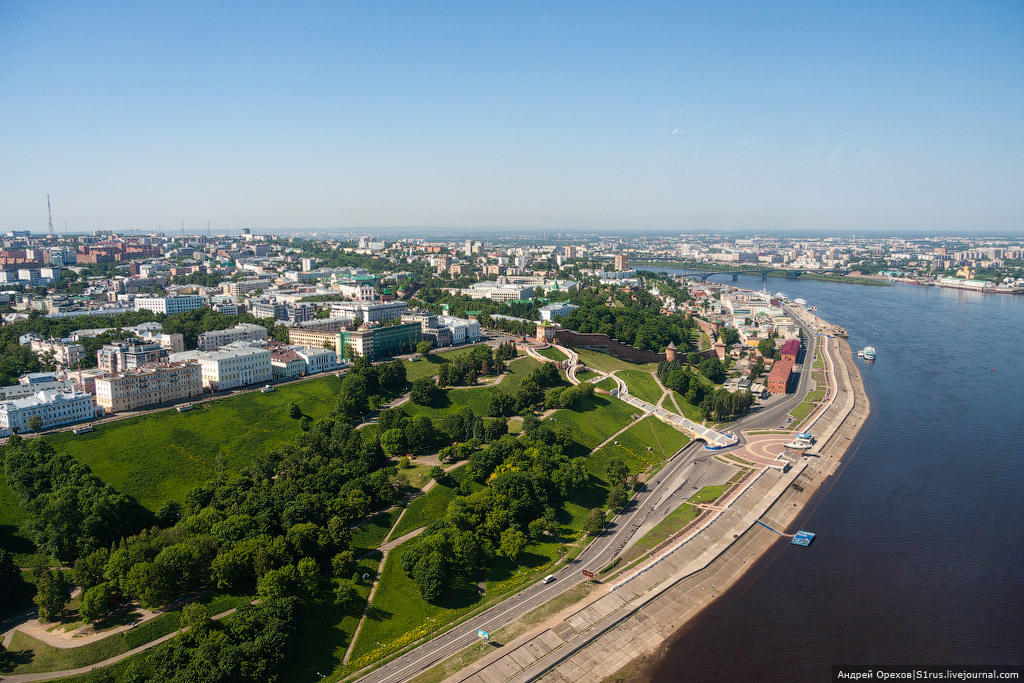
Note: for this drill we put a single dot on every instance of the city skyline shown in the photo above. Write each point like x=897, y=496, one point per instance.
x=538, y=117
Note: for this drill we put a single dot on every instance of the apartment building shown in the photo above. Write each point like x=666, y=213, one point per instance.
x=213, y=340
x=141, y=387
x=54, y=408
x=129, y=354
x=235, y=365
x=65, y=352
x=34, y=382
x=170, y=305
x=369, y=311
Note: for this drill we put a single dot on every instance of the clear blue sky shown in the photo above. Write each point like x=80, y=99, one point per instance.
x=658, y=115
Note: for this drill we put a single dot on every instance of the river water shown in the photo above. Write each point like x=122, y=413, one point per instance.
x=919, y=557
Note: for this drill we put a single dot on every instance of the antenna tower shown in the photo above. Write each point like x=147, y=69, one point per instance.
x=50, y=212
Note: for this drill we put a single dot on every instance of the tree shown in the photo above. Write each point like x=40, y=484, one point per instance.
x=713, y=369
x=420, y=434
x=294, y=411
x=594, y=522
x=423, y=348
x=345, y=593
x=617, y=471
x=616, y=498
x=501, y=404
x=393, y=442
x=10, y=576
x=511, y=544
x=35, y=423
x=766, y=347
x=88, y=570
x=169, y=513
x=97, y=602
x=425, y=392
x=53, y=591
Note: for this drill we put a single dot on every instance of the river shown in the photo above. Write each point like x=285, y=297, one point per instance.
x=919, y=556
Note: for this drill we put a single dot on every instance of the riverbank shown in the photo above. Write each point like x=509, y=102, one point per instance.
x=825, y=277
x=614, y=633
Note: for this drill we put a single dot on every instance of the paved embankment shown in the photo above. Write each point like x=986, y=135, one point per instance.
x=637, y=613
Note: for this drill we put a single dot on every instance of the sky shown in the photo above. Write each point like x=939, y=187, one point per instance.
x=759, y=116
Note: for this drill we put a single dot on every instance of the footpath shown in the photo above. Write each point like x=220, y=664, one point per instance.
x=630, y=618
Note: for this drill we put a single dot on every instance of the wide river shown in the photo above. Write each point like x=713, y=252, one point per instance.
x=919, y=555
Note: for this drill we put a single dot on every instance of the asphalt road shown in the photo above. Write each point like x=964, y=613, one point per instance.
x=602, y=550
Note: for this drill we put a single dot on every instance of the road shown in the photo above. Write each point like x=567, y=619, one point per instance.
x=673, y=478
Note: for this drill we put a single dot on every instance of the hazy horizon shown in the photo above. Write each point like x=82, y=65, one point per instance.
x=684, y=117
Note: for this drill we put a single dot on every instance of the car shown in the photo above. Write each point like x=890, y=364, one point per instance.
x=549, y=578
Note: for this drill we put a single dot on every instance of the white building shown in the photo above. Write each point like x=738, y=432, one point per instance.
x=213, y=340
x=556, y=310
x=369, y=311
x=317, y=360
x=356, y=290
x=462, y=331
x=235, y=365
x=34, y=382
x=496, y=291
x=169, y=305
x=54, y=408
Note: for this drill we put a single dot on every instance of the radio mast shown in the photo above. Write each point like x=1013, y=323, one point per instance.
x=50, y=212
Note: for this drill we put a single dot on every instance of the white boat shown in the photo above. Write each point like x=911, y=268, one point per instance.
x=868, y=353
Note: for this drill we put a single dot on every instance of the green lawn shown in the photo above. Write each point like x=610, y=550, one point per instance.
x=553, y=354
x=678, y=519
x=801, y=412
x=641, y=384
x=31, y=655
x=371, y=534
x=586, y=375
x=690, y=411
x=325, y=631
x=427, y=367
x=161, y=456
x=425, y=509
x=398, y=615
x=594, y=420
x=12, y=536
x=476, y=398
x=662, y=439
x=709, y=494
x=605, y=363
x=608, y=383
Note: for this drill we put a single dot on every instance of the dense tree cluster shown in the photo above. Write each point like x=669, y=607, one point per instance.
x=724, y=405
x=365, y=386
x=675, y=375
x=71, y=511
x=529, y=394
x=467, y=367
x=632, y=318
x=527, y=480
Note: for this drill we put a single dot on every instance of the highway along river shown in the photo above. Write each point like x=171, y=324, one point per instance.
x=919, y=557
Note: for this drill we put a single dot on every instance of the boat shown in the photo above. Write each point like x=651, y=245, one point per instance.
x=867, y=353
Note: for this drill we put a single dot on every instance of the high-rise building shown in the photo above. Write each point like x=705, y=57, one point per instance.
x=621, y=262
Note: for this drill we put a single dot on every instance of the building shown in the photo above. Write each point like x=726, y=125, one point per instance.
x=141, y=387
x=169, y=305
x=244, y=286
x=497, y=291
x=213, y=340
x=621, y=262
x=54, y=408
x=285, y=363
x=34, y=382
x=65, y=352
x=129, y=354
x=235, y=365
x=369, y=311
x=790, y=350
x=461, y=331
x=378, y=342
x=556, y=310
x=318, y=360
x=778, y=378
x=318, y=339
